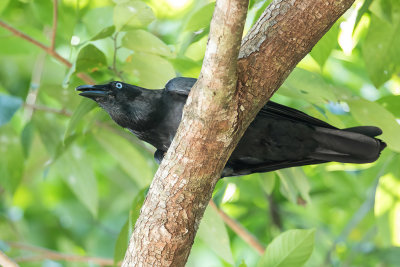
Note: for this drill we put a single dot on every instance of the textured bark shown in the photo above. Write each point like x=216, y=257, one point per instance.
x=221, y=105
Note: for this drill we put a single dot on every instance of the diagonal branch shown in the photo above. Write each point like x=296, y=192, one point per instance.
x=6, y=261
x=47, y=49
x=239, y=230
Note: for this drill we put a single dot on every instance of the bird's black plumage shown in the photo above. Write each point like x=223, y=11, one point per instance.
x=279, y=137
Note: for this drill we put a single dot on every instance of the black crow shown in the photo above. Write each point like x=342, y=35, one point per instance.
x=279, y=137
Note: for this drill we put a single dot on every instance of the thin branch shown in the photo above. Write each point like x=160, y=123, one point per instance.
x=45, y=253
x=86, y=78
x=48, y=109
x=6, y=261
x=114, y=65
x=245, y=235
x=55, y=20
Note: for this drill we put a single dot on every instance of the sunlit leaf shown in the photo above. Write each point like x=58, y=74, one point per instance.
x=381, y=49
x=98, y=18
x=292, y=248
x=8, y=106
x=325, y=46
x=132, y=14
x=151, y=70
x=90, y=58
x=143, y=41
x=383, y=9
x=201, y=18
x=213, y=232
x=387, y=209
x=104, y=33
x=370, y=113
x=391, y=103
x=3, y=5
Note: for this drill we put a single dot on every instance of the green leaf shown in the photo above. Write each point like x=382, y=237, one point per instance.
x=27, y=135
x=213, y=232
x=294, y=183
x=8, y=106
x=73, y=167
x=325, y=46
x=267, y=181
x=364, y=8
x=383, y=9
x=83, y=108
x=90, y=58
x=12, y=161
x=391, y=103
x=309, y=86
x=126, y=231
x=151, y=70
x=381, y=49
x=3, y=5
x=387, y=209
x=104, y=33
x=201, y=18
x=129, y=158
x=370, y=113
x=143, y=41
x=98, y=18
x=292, y=248
x=132, y=14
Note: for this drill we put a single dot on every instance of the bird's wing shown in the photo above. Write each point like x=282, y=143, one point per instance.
x=275, y=110
x=180, y=85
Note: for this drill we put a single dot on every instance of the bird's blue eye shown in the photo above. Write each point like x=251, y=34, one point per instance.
x=118, y=85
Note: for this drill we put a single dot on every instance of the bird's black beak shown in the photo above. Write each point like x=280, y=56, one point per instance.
x=92, y=91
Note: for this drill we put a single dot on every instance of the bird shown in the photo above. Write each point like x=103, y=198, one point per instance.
x=279, y=137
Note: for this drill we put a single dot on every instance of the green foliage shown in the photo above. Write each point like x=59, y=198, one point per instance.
x=291, y=248
x=73, y=181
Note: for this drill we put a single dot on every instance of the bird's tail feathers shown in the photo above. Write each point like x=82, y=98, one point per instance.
x=352, y=145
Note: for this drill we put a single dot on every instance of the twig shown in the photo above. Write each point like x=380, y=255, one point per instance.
x=239, y=230
x=114, y=65
x=86, y=78
x=45, y=253
x=48, y=109
x=55, y=20
x=6, y=261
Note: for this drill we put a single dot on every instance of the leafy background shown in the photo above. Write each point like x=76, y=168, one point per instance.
x=73, y=182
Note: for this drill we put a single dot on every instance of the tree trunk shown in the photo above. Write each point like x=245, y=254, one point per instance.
x=221, y=105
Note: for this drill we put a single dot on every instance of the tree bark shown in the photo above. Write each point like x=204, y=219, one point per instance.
x=221, y=105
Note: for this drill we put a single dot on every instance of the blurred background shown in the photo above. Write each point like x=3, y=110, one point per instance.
x=73, y=182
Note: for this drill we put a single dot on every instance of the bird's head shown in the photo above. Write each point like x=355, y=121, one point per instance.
x=127, y=104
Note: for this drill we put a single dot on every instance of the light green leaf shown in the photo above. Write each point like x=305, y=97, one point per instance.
x=3, y=5
x=130, y=159
x=391, y=103
x=83, y=108
x=72, y=166
x=213, y=232
x=132, y=14
x=267, y=181
x=151, y=70
x=8, y=106
x=201, y=18
x=309, y=86
x=126, y=231
x=292, y=248
x=387, y=209
x=325, y=46
x=98, y=17
x=90, y=59
x=104, y=33
x=371, y=113
x=381, y=49
x=382, y=9
x=143, y=41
